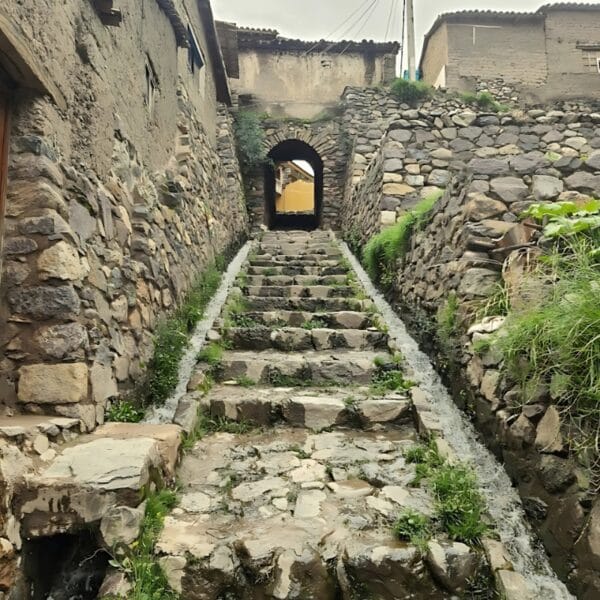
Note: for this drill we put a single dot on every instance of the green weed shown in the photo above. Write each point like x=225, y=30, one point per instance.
x=383, y=250
x=414, y=527
x=411, y=92
x=124, y=411
x=245, y=382
x=314, y=323
x=211, y=354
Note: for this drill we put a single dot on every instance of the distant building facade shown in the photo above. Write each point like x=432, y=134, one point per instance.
x=553, y=53
x=296, y=78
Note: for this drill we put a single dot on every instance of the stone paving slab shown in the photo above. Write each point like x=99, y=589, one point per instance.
x=290, y=514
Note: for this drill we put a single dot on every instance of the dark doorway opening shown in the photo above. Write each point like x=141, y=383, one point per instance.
x=64, y=567
x=293, y=187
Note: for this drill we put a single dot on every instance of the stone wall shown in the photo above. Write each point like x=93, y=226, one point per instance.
x=495, y=166
x=328, y=139
x=114, y=206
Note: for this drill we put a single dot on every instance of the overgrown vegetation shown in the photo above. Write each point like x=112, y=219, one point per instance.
x=413, y=527
x=411, y=92
x=250, y=141
x=124, y=411
x=383, y=250
x=207, y=424
x=447, y=322
x=314, y=323
x=553, y=342
x=459, y=506
x=171, y=339
x=484, y=100
x=388, y=376
x=138, y=561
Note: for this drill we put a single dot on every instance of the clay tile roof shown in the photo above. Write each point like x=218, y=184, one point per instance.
x=568, y=6
x=269, y=39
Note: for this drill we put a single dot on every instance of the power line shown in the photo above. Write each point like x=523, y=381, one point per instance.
x=362, y=26
x=393, y=6
x=366, y=13
x=330, y=35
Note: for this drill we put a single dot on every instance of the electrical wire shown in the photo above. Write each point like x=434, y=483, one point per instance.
x=371, y=6
x=393, y=7
x=362, y=26
x=350, y=16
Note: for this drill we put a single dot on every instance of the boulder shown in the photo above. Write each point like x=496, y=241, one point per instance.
x=549, y=438
x=546, y=187
x=489, y=166
x=509, y=189
x=44, y=302
x=60, y=261
x=452, y=565
x=121, y=525
x=314, y=412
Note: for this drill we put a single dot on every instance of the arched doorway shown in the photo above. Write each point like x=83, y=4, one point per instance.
x=293, y=186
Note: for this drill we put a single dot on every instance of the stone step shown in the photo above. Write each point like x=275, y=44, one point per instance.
x=299, y=291
x=289, y=249
x=298, y=339
x=293, y=261
x=272, y=513
x=291, y=270
x=281, y=318
x=309, y=408
x=112, y=467
x=345, y=367
x=260, y=280
x=299, y=256
x=260, y=303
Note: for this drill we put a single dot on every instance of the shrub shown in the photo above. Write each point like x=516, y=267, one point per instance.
x=211, y=354
x=411, y=92
x=124, y=411
x=250, y=139
x=383, y=250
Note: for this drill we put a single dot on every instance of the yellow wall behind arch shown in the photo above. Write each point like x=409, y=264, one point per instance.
x=297, y=197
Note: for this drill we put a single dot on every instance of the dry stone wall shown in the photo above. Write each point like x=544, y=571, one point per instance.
x=492, y=167
x=92, y=263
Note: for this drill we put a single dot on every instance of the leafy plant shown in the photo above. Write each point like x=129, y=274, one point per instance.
x=139, y=560
x=207, y=424
x=389, y=381
x=411, y=92
x=383, y=250
x=314, y=323
x=414, y=527
x=250, y=139
x=124, y=411
x=566, y=219
x=245, y=382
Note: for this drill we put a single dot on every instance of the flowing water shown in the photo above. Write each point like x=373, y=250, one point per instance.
x=503, y=501
x=165, y=413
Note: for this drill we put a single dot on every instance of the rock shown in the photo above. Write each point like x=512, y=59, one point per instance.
x=174, y=569
x=525, y=164
x=195, y=502
x=465, y=118
x=67, y=341
x=41, y=444
x=104, y=385
x=593, y=160
x=497, y=555
x=350, y=320
x=121, y=525
x=167, y=437
x=353, y=488
x=15, y=246
x=546, y=187
x=247, y=492
x=480, y=207
x=115, y=585
x=382, y=411
x=453, y=565
x=514, y=586
x=584, y=182
x=588, y=545
x=45, y=302
x=478, y=282
x=438, y=178
x=60, y=261
x=80, y=220
x=314, y=412
x=489, y=166
x=308, y=504
x=549, y=438
x=397, y=189
x=556, y=473
x=53, y=384
x=509, y=189
x=106, y=464
x=308, y=471
x=489, y=386
x=393, y=165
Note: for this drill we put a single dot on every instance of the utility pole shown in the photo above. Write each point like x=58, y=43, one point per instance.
x=410, y=39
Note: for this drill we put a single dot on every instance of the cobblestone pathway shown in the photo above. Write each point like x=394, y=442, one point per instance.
x=302, y=505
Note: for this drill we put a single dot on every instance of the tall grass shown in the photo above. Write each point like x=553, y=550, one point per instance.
x=554, y=342
x=411, y=92
x=383, y=250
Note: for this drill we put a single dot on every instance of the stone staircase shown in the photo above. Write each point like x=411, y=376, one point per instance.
x=302, y=504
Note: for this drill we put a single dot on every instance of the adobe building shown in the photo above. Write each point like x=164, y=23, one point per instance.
x=550, y=54
x=298, y=78
x=118, y=149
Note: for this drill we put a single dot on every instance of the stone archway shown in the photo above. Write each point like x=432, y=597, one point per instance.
x=288, y=151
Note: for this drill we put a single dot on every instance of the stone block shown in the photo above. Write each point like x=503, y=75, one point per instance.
x=53, y=384
x=60, y=261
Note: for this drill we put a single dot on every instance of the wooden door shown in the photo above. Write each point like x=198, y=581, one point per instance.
x=4, y=131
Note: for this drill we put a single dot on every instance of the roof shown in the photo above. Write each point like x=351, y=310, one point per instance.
x=214, y=48
x=485, y=16
x=250, y=38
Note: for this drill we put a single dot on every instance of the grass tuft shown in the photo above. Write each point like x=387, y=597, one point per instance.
x=411, y=92
x=414, y=527
x=383, y=250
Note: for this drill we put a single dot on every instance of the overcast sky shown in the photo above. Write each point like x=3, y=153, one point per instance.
x=316, y=19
